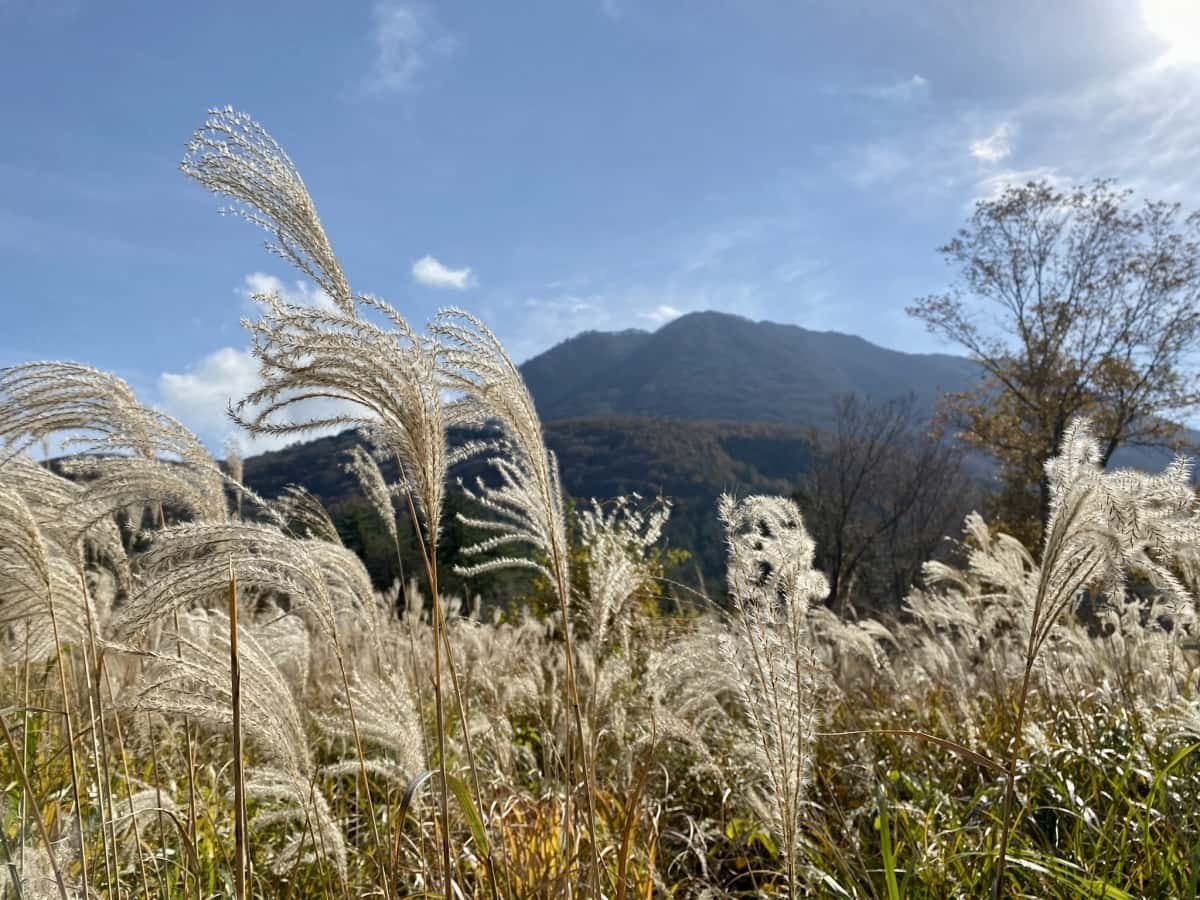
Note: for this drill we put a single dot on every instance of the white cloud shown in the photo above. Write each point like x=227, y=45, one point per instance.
x=661, y=314
x=1177, y=24
x=904, y=91
x=201, y=396
x=612, y=8
x=300, y=293
x=406, y=38
x=1140, y=125
x=995, y=147
x=430, y=272
x=708, y=249
x=991, y=187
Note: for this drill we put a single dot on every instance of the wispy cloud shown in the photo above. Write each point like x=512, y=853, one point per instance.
x=877, y=162
x=201, y=394
x=995, y=147
x=991, y=187
x=430, y=272
x=406, y=38
x=1140, y=125
x=710, y=247
x=661, y=314
x=299, y=293
x=905, y=90
x=612, y=8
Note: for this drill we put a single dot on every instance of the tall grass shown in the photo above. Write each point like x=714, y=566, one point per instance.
x=202, y=695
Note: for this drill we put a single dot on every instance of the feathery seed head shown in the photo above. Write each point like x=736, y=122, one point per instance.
x=234, y=156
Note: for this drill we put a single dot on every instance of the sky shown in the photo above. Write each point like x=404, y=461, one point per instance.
x=553, y=166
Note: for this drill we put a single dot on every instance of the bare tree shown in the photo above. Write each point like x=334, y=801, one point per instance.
x=882, y=493
x=1075, y=303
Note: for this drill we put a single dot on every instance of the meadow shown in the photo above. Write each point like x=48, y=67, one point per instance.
x=203, y=695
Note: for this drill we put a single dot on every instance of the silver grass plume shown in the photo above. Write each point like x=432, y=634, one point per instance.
x=116, y=483
x=388, y=721
x=769, y=654
x=304, y=515
x=686, y=685
x=286, y=638
x=1104, y=523
x=41, y=591
x=234, y=156
x=140, y=811
x=65, y=516
x=195, y=683
x=97, y=413
x=618, y=541
x=1101, y=524
x=363, y=466
x=349, y=595
x=235, y=470
x=36, y=598
x=92, y=408
x=528, y=501
x=384, y=378
x=189, y=565
x=95, y=410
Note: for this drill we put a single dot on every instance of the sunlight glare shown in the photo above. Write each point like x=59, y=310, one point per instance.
x=1177, y=23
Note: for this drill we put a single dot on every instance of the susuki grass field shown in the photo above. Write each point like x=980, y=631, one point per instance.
x=202, y=694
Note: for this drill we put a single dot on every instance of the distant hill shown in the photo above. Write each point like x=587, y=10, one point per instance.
x=690, y=463
x=713, y=366
x=709, y=402
x=710, y=366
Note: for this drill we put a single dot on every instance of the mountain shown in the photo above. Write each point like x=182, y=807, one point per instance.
x=690, y=463
x=710, y=402
x=711, y=366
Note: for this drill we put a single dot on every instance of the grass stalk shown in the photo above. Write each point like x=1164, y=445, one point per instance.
x=92, y=669
x=241, y=868
x=31, y=800
x=121, y=750
x=571, y=689
x=429, y=554
x=71, y=754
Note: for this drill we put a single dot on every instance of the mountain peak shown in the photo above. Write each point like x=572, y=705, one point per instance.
x=710, y=365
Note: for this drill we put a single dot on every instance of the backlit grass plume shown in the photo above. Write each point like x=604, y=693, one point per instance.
x=771, y=583
x=195, y=683
x=365, y=468
x=527, y=502
x=304, y=515
x=1102, y=525
x=335, y=368
x=133, y=454
x=618, y=542
x=235, y=156
x=188, y=565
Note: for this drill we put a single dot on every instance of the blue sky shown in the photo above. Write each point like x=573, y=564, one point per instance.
x=553, y=166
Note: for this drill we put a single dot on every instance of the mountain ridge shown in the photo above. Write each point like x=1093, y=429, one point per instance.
x=710, y=402
x=712, y=366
